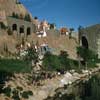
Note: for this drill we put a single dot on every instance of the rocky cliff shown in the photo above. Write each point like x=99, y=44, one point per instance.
x=13, y=6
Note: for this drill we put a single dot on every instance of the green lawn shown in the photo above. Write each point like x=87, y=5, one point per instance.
x=14, y=66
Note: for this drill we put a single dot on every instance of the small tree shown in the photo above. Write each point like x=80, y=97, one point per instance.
x=9, y=31
x=52, y=26
x=35, y=17
x=27, y=17
x=32, y=55
x=70, y=33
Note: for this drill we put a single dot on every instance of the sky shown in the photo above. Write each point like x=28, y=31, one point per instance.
x=65, y=13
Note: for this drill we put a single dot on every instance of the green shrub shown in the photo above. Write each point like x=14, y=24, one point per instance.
x=4, y=76
x=15, y=95
x=30, y=93
x=51, y=62
x=27, y=18
x=57, y=62
x=14, y=15
x=7, y=91
x=64, y=61
x=17, y=2
x=19, y=88
x=73, y=64
x=25, y=95
x=3, y=26
x=9, y=31
x=88, y=56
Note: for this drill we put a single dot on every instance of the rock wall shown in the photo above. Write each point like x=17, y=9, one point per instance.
x=20, y=23
x=11, y=6
x=92, y=36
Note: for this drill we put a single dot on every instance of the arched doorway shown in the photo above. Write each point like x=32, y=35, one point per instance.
x=28, y=31
x=14, y=27
x=21, y=29
x=84, y=42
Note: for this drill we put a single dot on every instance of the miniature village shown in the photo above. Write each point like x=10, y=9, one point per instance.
x=37, y=60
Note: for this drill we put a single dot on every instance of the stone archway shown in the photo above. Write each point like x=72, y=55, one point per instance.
x=85, y=42
x=14, y=27
x=28, y=31
x=21, y=30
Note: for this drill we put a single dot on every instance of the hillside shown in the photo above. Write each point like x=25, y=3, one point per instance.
x=58, y=43
x=10, y=6
x=10, y=41
x=54, y=40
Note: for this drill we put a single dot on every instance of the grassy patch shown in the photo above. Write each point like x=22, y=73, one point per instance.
x=14, y=66
x=59, y=62
x=62, y=62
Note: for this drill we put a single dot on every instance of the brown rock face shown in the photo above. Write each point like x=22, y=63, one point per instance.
x=11, y=6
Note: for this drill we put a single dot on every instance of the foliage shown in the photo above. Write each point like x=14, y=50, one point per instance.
x=51, y=62
x=64, y=60
x=70, y=33
x=92, y=89
x=17, y=2
x=14, y=66
x=30, y=93
x=14, y=15
x=52, y=25
x=4, y=76
x=16, y=95
x=73, y=64
x=60, y=96
x=9, y=31
x=26, y=94
x=86, y=54
x=3, y=26
x=32, y=55
x=27, y=18
x=71, y=29
x=19, y=88
x=57, y=62
x=35, y=17
x=7, y=91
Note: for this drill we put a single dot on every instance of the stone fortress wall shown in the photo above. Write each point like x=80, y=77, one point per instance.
x=20, y=26
x=90, y=38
